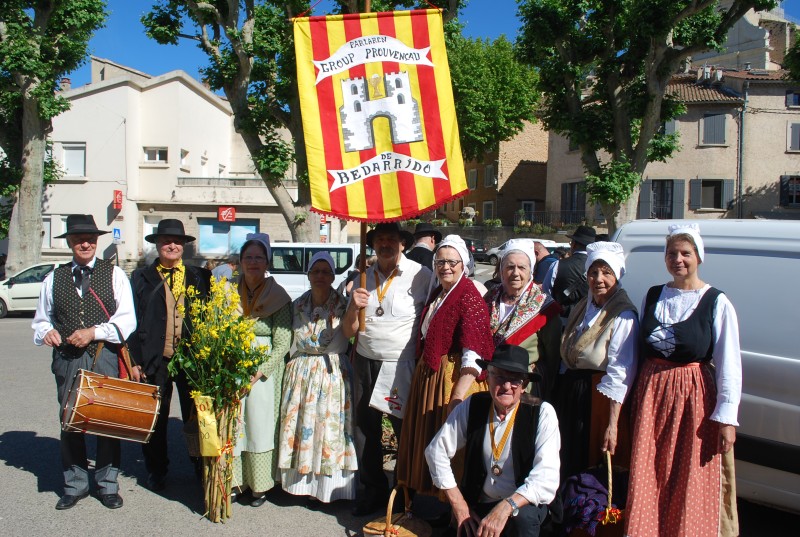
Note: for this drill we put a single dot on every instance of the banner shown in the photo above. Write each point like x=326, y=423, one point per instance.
x=378, y=114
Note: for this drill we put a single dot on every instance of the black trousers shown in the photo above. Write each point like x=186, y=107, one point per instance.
x=369, y=422
x=526, y=524
x=156, y=459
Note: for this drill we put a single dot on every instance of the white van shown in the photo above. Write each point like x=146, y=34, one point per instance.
x=290, y=260
x=756, y=263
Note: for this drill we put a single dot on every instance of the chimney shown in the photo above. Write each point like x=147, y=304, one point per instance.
x=66, y=84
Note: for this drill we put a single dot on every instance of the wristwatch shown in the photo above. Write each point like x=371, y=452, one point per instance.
x=514, y=507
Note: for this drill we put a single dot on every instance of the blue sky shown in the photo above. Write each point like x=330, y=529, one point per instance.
x=123, y=40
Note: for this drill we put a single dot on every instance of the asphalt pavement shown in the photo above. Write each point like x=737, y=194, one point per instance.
x=31, y=478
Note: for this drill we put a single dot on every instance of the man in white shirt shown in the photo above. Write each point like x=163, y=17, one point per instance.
x=511, y=465
x=81, y=304
x=394, y=298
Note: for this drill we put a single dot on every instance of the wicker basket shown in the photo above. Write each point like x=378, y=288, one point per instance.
x=400, y=525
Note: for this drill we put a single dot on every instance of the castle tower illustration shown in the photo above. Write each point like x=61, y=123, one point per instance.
x=398, y=106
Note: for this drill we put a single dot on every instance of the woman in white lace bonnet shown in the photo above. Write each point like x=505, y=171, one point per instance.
x=599, y=357
x=685, y=410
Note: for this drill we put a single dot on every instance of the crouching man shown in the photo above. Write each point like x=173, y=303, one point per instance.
x=511, y=466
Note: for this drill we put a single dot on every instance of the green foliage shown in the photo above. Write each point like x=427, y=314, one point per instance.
x=40, y=42
x=604, y=66
x=792, y=60
x=614, y=184
x=492, y=223
x=494, y=93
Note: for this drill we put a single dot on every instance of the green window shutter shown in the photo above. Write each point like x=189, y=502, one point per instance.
x=695, y=194
x=678, y=198
x=646, y=199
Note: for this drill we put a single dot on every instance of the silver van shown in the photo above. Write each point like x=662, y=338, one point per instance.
x=756, y=263
x=290, y=262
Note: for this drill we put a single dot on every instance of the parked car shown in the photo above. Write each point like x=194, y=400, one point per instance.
x=20, y=292
x=755, y=263
x=476, y=248
x=494, y=254
x=290, y=260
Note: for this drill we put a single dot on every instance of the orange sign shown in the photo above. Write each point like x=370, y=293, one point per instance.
x=117, y=204
x=226, y=214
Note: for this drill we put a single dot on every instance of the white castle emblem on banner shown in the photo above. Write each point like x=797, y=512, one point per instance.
x=398, y=106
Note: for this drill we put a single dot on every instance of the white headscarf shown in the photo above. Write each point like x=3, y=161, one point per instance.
x=263, y=239
x=693, y=230
x=458, y=244
x=523, y=246
x=321, y=256
x=609, y=252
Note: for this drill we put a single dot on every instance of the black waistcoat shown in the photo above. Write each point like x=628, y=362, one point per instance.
x=693, y=336
x=523, y=445
x=72, y=312
x=570, y=285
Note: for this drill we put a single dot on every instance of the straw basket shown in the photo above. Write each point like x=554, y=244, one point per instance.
x=611, y=525
x=400, y=525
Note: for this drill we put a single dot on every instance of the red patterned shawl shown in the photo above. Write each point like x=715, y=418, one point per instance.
x=462, y=321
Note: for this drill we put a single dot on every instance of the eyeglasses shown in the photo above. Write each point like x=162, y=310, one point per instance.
x=440, y=263
x=515, y=382
x=320, y=273
x=254, y=259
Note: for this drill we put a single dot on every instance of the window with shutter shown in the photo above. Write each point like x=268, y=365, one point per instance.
x=472, y=179
x=710, y=193
x=790, y=190
x=792, y=98
x=793, y=135
x=662, y=196
x=646, y=199
x=713, y=129
x=678, y=198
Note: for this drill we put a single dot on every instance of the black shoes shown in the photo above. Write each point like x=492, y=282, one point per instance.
x=112, y=501
x=258, y=501
x=68, y=501
x=156, y=482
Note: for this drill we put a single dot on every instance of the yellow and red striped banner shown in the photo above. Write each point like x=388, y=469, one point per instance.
x=378, y=114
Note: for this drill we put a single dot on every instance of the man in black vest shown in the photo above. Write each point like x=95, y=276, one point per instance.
x=425, y=239
x=160, y=329
x=511, y=465
x=71, y=317
x=566, y=280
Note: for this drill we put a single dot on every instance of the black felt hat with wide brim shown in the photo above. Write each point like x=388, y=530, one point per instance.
x=390, y=227
x=81, y=224
x=172, y=227
x=512, y=358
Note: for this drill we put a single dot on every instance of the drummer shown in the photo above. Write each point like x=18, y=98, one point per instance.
x=71, y=319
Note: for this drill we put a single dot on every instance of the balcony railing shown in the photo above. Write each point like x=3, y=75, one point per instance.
x=549, y=218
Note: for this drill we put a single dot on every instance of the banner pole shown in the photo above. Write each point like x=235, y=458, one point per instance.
x=362, y=268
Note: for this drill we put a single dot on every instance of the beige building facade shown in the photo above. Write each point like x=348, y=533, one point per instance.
x=739, y=153
x=136, y=149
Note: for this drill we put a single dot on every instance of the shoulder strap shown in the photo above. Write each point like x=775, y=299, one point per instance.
x=126, y=355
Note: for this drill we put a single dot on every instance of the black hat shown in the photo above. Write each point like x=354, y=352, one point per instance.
x=426, y=228
x=169, y=226
x=511, y=358
x=584, y=235
x=390, y=227
x=80, y=224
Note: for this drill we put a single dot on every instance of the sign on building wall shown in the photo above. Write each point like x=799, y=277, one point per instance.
x=226, y=214
x=378, y=114
x=117, y=204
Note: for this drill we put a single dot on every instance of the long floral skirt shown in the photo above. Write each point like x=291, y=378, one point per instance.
x=317, y=452
x=674, y=486
x=425, y=414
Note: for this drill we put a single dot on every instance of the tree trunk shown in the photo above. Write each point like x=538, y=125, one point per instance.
x=25, y=230
x=627, y=211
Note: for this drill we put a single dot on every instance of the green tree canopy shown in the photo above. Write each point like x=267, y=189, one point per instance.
x=40, y=41
x=604, y=66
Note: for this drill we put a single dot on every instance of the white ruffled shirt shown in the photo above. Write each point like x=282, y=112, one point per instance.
x=675, y=305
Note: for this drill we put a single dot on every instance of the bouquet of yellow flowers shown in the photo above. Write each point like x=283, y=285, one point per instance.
x=218, y=360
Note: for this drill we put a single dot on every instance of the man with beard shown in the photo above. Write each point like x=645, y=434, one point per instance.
x=395, y=295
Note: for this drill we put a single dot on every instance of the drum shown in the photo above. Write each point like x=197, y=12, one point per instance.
x=105, y=406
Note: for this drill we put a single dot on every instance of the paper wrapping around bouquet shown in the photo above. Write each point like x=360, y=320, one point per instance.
x=207, y=426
